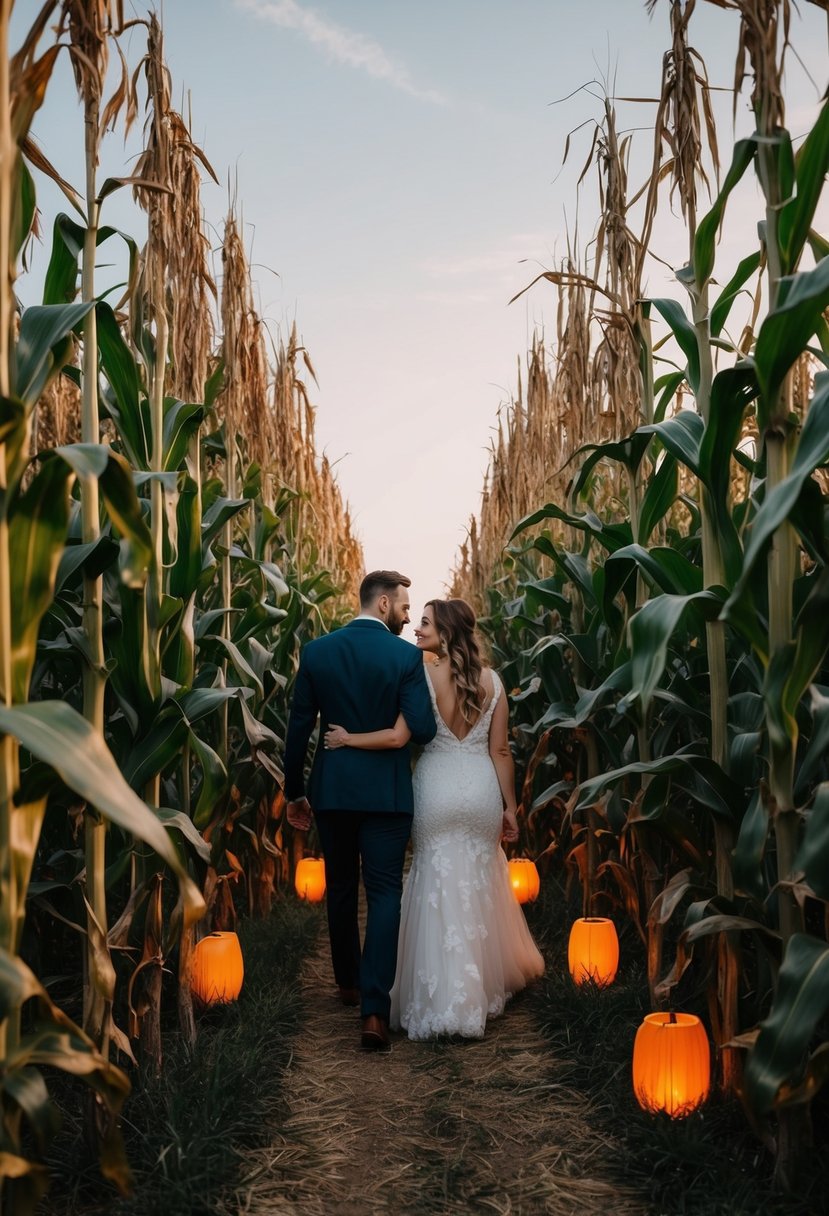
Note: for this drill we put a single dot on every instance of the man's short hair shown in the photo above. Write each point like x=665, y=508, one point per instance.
x=381, y=582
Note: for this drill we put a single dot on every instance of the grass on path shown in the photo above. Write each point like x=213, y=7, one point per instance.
x=709, y=1164
x=277, y=1109
x=444, y=1127
x=185, y=1132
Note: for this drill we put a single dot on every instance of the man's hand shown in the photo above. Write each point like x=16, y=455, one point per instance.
x=298, y=814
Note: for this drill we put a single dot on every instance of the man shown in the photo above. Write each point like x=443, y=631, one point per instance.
x=361, y=676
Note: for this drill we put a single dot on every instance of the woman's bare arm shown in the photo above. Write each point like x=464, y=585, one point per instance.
x=501, y=757
x=375, y=740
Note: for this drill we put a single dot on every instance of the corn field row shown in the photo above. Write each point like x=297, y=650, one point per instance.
x=168, y=534
x=651, y=561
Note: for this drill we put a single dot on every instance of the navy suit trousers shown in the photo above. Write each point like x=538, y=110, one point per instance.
x=375, y=841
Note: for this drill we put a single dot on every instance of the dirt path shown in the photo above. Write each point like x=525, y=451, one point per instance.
x=432, y=1128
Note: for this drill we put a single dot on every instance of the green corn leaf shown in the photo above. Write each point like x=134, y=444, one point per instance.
x=53, y=1041
x=12, y=418
x=545, y=596
x=215, y=384
x=265, y=743
x=43, y=346
x=157, y=749
x=186, y=567
x=259, y=619
x=627, y=452
x=118, y=491
x=818, y=245
x=573, y=567
x=660, y=496
x=657, y=809
x=92, y=558
x=61, y=283
x=704, y=780
x=785, y=334
x=179, y=822
x=750, y=849
x=650, y=632
x=550, y=661
x=664, y=570
x=268, y=573
x=815, y=1076
x=207, y=622
x=796, y=215
x=667, y=387
x=56, y=734
x=813, y=854
x=135, y=678
x=729, y=923
x=24, y=209
x=706, y=235
x=609, y=536
x=241, y=666
x=572, y=716
x=725, y=300
x=682, y=436
x=268, y=524
x=214, y=781
x=27, y=1089
x=732, y=392
x=36, y=538
x=818, y=746
x=181, y=422
x=811, y=638
x=780, y=503
x=685, y=335
x=793, y=666
x=127, y=406
x=218, y=514
x=801, y=1000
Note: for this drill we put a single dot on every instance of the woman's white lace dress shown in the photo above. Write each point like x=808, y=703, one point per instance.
x=464, y=945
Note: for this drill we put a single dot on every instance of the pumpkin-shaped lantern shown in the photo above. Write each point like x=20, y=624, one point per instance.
x=309, y=880
x=524, y=880
x=593, y=950
x=671, y=1064
x=217, y=969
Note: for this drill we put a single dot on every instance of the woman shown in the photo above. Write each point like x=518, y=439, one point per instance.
x=464, y=945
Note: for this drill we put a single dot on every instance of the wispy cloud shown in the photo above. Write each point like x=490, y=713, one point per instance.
x=344, y=46
x=502, y=262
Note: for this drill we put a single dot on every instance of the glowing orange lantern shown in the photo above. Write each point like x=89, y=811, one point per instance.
x=671, y=1064
x=217, y=969
x=593, y=950
x=309, y=879
x=524, y=880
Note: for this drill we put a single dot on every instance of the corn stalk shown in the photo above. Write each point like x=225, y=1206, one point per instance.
x=684, y=114
x=9, y=1028
x=90, y=24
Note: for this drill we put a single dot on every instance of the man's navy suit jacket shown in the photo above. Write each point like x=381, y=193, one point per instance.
x=359, y=677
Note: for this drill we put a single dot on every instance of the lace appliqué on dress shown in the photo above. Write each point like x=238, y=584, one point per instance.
x=464, y=946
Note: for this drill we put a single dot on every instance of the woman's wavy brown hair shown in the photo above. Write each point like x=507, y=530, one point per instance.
x=455, y=623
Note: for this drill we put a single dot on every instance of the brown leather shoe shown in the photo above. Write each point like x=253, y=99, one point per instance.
x=350, y=996
x=375, y=1036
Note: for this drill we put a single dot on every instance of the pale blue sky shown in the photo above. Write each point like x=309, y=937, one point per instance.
x=398, y=168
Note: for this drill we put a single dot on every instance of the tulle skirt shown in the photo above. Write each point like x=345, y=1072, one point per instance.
x=464, y=947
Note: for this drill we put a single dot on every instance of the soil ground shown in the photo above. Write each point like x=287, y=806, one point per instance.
x=435, y=1128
